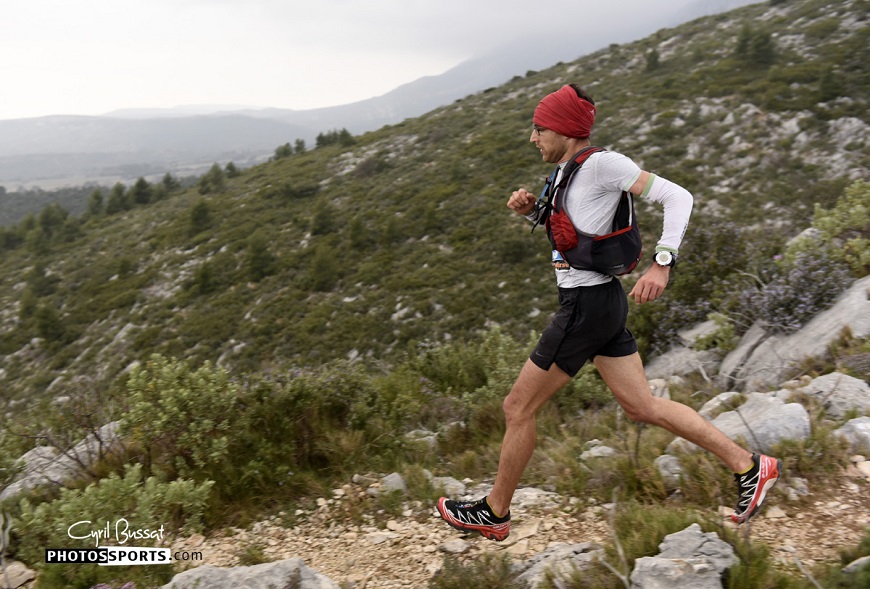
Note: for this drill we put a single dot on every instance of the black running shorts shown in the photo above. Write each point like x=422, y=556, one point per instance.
x=590, y=322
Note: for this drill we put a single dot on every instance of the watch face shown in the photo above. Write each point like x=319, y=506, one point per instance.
x=664, y=258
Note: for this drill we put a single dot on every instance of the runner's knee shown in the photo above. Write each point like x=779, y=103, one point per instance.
x=515, y=409
x=641, y=411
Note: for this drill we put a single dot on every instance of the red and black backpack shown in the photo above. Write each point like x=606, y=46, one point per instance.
x=615, y=253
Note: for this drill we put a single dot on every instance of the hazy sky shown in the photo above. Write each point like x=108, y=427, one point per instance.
x=94, y=56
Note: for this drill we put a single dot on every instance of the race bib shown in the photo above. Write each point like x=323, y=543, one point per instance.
x=559, y=262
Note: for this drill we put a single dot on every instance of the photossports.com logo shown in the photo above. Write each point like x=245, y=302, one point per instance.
x=119, y=553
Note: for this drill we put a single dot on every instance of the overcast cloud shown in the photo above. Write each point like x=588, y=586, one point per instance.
x=94, y=56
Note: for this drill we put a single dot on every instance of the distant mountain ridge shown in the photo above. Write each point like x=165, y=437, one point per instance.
x=121, y=146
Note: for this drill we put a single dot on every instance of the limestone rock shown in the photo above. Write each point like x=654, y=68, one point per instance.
x=857, y=431
x=839, y=393
x=393, y=482
x=457, y=546
x=671, y=471
x=561, y=561
x=735, y=359
x=452, y=487
x=762, y=422
x=291, y=572
x=659, y=387
x=598, y=452
x=771, y=361
x=682, y=360
x=689, y=558
x=47, y=465
x=857, y=565
x=16, y=575
x=720, y=402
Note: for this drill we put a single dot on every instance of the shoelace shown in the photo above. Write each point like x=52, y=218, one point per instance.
x=748, y=488
x=473, y=513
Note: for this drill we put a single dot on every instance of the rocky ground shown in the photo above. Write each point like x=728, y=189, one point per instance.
x=392, y=551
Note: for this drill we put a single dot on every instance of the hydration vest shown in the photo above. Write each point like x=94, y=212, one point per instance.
x=615, y=253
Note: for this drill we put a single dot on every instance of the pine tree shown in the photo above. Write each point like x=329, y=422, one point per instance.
x=141, y=192
x=260, y=261
x=652, y=60
x=96, y=206
x=200, y=217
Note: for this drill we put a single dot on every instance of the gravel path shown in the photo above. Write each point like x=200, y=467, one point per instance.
x=404, y=551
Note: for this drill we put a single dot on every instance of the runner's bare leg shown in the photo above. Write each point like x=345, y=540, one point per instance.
x=626, y=378
x=532, y=389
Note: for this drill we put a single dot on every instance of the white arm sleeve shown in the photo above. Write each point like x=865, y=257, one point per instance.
x=677, y=203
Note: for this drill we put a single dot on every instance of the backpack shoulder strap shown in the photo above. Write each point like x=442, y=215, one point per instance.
x=545, y=202
x=574, y=164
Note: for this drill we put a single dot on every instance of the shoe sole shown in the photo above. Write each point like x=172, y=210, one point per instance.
x=485, y=531
x=768, y=485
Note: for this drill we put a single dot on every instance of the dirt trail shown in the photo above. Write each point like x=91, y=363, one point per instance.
x=392, y=552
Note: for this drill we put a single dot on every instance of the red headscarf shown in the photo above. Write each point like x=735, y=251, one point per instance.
x=565, y=113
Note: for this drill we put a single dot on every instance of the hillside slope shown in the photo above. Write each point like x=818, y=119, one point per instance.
x=401, y=240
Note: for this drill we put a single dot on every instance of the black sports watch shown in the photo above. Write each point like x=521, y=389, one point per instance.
x=666, y=258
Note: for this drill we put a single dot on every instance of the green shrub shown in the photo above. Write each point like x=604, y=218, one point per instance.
x=846, y=227
x=490, y=570
x=259, y=260
x=248, y=439
x=723, y=338
x=300, y=431
x=180, y=419
x=323, y=269
x=641, y=527
x=796, y=290
x=199, y=218
x=818, y=457
x=501, y=358
x=251, y=553
x=149, y=504
x=215, y=180
x=584, y=392
x=859, y=579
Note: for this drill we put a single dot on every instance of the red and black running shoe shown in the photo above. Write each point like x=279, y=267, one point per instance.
x=475, y=516
x=752, y=487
